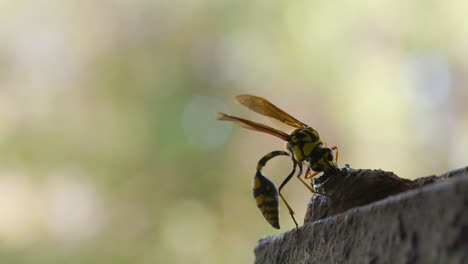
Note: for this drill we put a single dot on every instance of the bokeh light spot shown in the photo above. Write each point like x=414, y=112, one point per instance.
x=189, y=221
x=72, y=211
x=19, y=209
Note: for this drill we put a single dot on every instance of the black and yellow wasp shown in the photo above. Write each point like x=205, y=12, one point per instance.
x=304, y=146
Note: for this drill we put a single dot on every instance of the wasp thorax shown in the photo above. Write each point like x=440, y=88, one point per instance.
x=302, y=143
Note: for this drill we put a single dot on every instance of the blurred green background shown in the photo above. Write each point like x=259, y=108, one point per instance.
x=109, y=148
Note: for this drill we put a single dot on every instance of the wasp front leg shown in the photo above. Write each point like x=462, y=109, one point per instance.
x=305, y=183
x=311, y=176
x=335, y=148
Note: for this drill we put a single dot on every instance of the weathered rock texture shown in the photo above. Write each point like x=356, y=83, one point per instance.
x=427, y=224
x=351, y=188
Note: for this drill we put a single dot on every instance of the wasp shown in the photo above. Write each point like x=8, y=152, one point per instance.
x=304, y=146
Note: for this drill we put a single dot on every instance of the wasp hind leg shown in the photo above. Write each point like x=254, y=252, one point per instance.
x=291, y=211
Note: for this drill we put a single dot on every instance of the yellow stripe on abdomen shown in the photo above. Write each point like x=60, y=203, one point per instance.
x=266, y=197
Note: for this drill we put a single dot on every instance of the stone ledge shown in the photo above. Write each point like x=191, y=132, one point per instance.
x=425, y=225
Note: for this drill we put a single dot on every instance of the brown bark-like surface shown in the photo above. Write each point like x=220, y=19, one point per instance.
x=373, y=216
x=351, y=188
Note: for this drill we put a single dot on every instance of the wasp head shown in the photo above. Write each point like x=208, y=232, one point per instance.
x=322, y=160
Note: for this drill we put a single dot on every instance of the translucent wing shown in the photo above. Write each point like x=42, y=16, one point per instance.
x=254, y=126
x=264, y=107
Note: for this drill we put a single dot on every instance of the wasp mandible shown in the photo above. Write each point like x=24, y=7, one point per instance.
x=304, y=146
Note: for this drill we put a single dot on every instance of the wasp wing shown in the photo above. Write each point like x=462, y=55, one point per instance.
x=254, y=126
x=264, y=107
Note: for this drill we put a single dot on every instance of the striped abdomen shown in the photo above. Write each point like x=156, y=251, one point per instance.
x=265, y=191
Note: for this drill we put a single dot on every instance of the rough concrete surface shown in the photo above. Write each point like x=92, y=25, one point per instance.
x=424, y=225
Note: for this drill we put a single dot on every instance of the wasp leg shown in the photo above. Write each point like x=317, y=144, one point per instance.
x=291, y=212
x=311, y=176
x=305, y=183
x=335, y=148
